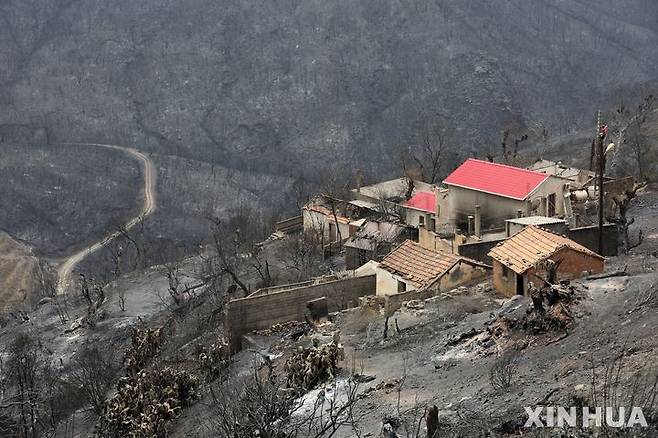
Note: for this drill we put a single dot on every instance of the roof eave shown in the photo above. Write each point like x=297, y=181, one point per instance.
x=490, y=193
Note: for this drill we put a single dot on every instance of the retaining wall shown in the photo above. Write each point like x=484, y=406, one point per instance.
x=260, y=312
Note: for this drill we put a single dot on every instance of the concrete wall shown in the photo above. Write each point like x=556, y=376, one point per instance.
x=261, y=312
x=318, y=223
x=589, y=238
x=557, y=228
x=551, y=185
x=461, y=202
x=494, y=209
x=460, y=274
x=478, y=250
x=387, y=283
x=413, y=215
x=430, y=240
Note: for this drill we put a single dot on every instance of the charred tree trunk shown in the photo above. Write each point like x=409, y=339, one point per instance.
x=432, y=421
x=623, y=222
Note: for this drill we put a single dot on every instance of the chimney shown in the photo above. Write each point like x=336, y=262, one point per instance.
x=359, y=180
x=477, y=220
x=470, y=224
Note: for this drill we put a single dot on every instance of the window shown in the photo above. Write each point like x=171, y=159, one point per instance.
x=505, y=272
x=363, y=257
x=402, y=286
x=421, y=221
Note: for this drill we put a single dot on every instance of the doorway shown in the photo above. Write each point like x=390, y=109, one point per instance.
x=520, y=290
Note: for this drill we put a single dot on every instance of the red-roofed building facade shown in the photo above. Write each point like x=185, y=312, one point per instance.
x=501, y=192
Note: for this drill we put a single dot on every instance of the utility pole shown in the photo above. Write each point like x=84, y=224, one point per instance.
x=601, y=134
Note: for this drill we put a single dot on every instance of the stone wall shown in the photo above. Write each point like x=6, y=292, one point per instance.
x=262, y=311
x=478, y=251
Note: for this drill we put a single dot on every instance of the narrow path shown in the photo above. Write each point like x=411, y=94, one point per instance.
x=66, y=268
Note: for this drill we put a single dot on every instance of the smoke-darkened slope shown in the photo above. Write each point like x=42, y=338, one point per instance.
x=266, y=85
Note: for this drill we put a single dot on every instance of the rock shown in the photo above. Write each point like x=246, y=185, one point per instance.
x=363, y=378
x=415, y=305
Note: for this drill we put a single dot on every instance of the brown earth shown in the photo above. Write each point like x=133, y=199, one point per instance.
x=21, y=275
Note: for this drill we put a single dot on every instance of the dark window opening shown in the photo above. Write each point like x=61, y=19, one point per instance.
x=551, y=205
x=519, y=285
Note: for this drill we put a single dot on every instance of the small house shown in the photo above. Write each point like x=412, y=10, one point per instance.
x=413, y=267
x=412, y=200
x=420, y=209
x=372, y=241
x=333, y=220
x=521, y=259
x=492, y=192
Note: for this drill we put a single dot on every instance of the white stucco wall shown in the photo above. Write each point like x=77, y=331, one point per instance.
x=387, y=283
x=494, y=210
x=315, y=222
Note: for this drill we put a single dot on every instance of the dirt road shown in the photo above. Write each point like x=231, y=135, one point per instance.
x=149, y=173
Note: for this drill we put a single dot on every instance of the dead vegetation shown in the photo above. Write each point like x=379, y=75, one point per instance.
x=214, y=359
x=308, y=367
x=146, y=402
x=264, y=405
x=504, y=369
x=144, y=346
x=150, y=395
x=93, y=372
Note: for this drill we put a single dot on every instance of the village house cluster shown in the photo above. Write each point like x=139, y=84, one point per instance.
x=405, y=239
x=483, y=217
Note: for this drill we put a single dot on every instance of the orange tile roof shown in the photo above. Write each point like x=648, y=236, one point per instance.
x=418, y=265
x=532, y=245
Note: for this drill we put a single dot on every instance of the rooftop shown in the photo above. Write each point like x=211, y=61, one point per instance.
x=425, y=201
x=418, y=265
x=371, y=233
x=531, y=246
x=537, y=220
x=496, y=179
x=557, y=169
x=394, y=188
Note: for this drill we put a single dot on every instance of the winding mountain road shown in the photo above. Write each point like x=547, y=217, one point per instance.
x=149, y=173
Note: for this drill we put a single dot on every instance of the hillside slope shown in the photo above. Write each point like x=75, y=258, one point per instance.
x=21, y=276
x=264, y=86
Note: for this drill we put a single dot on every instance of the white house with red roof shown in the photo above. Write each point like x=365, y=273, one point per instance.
x=491, y=193
x=415, y=199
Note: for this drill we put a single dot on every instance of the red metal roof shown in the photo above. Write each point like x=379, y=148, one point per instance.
x=425, y=201
x=497, y=179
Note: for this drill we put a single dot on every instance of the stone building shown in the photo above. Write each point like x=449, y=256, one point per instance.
x=522, y=258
